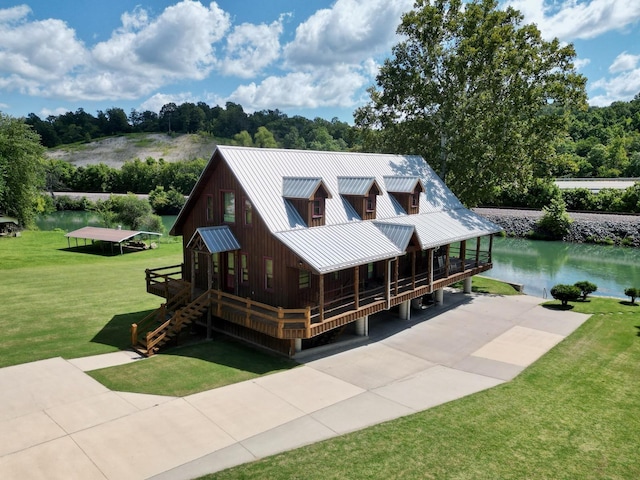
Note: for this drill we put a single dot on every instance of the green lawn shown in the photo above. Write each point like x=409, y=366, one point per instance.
x=68, y=303
x=191, y=369
x=571, y=415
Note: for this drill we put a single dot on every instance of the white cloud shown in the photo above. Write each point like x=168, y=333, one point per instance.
x=251, y=48
x=570, y=19
x=352, y=30
x=581, y=63
x=46, y=112
x=157, y=101
x=335, y=86
x=14, y=14
x=624, y=62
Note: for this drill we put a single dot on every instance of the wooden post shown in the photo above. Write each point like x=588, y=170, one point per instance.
x=247, y=319
x=307, y=322
x=356, y=281
x=193, y=274
x=463, y=254
x=395, y=275
x=321, y=298
x=447, y=261
x=413, y=270
x=430, y=265
x=134, y=334
x=490, y=247
x=478, y=243
x=209, y=287
x=280, y=322
x=219, y=309
x=387, y=282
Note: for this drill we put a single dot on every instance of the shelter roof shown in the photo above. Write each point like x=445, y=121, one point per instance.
x=4, y=219
x=215, y=239
x=107, y=234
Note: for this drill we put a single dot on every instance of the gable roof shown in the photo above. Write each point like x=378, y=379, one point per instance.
x=215, y=239
x=266, y=175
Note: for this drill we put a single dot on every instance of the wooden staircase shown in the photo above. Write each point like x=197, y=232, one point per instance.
x=167, y=322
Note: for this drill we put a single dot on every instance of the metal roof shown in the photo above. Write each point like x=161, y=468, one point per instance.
x=107, y=234
x=335, y=247
x=402, y=184
x=596, y=184
x=356, y=185
x=217, y=239
x=400, y=235
x=300, y=187
x=4, y=219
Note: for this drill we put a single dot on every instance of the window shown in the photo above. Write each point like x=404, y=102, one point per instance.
x=229, y=205
x=415, y=199
x=231, y=270
x=318, y=208
x=244, y=268
x=248, y=212
x=209, y=208
x=268, y=273
x=304, y=279
x=371, y=203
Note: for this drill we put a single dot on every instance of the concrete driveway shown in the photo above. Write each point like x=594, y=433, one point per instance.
x=56, y=422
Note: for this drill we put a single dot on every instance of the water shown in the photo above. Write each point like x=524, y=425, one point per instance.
x=541, y=265
x=73, y=220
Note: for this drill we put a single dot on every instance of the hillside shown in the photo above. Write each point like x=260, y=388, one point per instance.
x=114, y=151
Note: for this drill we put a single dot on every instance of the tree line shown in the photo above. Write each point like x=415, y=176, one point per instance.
x=265, y=128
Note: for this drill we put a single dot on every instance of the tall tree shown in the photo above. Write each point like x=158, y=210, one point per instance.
x=475, y=92
x=21, y=169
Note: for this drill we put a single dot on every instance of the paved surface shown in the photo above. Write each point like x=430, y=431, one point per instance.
x=56, y=422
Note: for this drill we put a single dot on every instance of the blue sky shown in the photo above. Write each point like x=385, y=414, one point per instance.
x=305, y=57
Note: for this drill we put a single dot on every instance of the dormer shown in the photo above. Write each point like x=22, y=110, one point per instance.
x=362, y=193
x=307, y=195
x=406, y=190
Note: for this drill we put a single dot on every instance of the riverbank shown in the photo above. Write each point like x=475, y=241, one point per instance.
x=600, y=228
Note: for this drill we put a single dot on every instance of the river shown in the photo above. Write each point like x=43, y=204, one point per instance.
x=540, y=265
x=536, y=264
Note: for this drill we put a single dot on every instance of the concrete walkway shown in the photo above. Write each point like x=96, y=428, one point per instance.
x=56, y=422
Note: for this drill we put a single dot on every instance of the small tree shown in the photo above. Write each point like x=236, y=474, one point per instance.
x=556, y=220
x=565, y=293
x=586, y=288
x=633, y=293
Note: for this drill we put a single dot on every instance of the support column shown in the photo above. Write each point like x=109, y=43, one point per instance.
x=356, y=284
x=362, y=326
x=467, y=285
x=405, y=310
x=478, y=243
x=321, y=293
x=298, y=344
x=438, y=296
x=193, y=273
x=387, y=282
x=209, y=287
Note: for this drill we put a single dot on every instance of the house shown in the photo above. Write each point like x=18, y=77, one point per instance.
x=283, y=247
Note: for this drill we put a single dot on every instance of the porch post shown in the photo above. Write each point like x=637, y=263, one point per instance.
x=439, y=295
x=395, y=275
x=478, y=251
x=356, y=281
x=362, y=326
x=413, y=270
x=467, y=285
x=430, y=265
x=490, y=247
x=321, y=299
x=463, y=254
x=387, y=282
x=447, y=261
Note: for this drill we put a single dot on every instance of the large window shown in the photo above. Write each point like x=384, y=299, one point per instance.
x=248, y=212
x=229, y=207
x=268, y=273
x=209, y=208
x=244, y=268
x=318, y=208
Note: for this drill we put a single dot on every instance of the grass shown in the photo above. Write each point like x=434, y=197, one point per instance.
x=573, y=414
x=190, y=369
x=489, y=286
x=68, y=302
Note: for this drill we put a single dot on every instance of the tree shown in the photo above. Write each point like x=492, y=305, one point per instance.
x=555, y=220
x=21, y=169
x=633, y=293
x=586, y=288
x=264, y=138
x=565, y=293
x=479, y=95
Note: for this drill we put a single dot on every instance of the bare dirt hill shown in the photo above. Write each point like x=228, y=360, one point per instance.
x=114, y=151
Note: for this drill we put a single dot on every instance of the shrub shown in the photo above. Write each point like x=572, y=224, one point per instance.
x=565, y=293
x=633, y=293
x=586, y=288
x=556, y=220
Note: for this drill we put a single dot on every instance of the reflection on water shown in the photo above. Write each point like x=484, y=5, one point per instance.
x=541, y=265
x=72, y=220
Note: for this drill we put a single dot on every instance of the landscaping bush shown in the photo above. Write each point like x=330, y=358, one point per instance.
x=633, y=293
x=565, y=293
x=586, y=288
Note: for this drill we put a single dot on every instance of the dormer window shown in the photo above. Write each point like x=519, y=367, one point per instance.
x=307, y=195
x=361, y=193
x=406, y=190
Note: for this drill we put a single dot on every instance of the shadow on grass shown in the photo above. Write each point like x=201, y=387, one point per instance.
x=558, y=306
x=117, y=332
x=628, y=303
